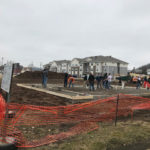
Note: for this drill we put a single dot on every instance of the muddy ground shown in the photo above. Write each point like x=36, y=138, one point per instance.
x=32, y=97
x=26, y=96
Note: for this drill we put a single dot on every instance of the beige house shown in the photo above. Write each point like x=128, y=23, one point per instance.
x=98, y=64
x=60, y=66
x=76, y=67
x=94, y=64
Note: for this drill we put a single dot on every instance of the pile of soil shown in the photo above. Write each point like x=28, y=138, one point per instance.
x=36, y=77
x=27, y=96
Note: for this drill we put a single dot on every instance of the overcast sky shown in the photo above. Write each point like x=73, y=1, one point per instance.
x=45, y=30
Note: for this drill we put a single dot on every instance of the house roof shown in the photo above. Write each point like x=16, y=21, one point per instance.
x=62, y=61
x=93, y=59
x=103, y=59
x=79, y=59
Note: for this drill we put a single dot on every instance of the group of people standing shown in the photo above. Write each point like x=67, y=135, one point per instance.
x=140, y=81
x=104, y=81
x=89, y=81
x=143, y=81
x=68, y=79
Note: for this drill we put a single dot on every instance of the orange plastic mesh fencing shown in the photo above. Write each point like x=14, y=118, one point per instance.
x=34, y=126
x=2, y=108
x=146, y=84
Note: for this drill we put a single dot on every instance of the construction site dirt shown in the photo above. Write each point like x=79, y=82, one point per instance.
x=26, y=96
x=29, y=96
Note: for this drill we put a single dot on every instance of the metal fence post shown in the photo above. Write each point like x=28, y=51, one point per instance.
x=117, y=110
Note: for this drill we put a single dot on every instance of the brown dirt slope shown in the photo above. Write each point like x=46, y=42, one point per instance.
x=36, y=77
x=26, y=96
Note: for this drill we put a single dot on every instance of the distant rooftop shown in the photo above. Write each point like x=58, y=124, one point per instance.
x=93, y=59
x=102, y=59
x=62, y=61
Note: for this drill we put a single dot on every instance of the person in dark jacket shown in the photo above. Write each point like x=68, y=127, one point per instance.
x=105, y=81
x=98, y=80
x=85, y=81
x=145, y=78
x=138, y=83
x=65, y=79
x=91, y=81
x=148, y=79
x=44, y=77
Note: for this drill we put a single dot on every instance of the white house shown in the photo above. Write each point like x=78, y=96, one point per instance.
x=60, y=66
x=148, y=71
x=65, y=65
x=76, y=67
x=98, y=64
x=54, y=66
x=94, y=64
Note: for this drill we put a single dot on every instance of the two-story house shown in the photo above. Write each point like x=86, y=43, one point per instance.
x=94, y=64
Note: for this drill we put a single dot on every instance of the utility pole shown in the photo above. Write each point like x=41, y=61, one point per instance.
x=40, y=65
x=117, y=103
x=2, y=60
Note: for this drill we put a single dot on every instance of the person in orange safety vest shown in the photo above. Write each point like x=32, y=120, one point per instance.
x=71, y=81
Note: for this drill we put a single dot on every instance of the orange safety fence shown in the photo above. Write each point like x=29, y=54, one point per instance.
x=146, y=84
x=34, y=126
x=2, y=108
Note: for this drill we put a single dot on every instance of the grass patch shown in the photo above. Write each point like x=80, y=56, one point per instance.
x=107, y=137
x=38, y=132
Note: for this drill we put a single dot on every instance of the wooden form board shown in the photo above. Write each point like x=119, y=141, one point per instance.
x=126, y=87
x=56, y=93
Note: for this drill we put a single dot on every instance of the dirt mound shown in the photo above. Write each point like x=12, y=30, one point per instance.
x=26, y=96
x=32, y=97
x=36, y=77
